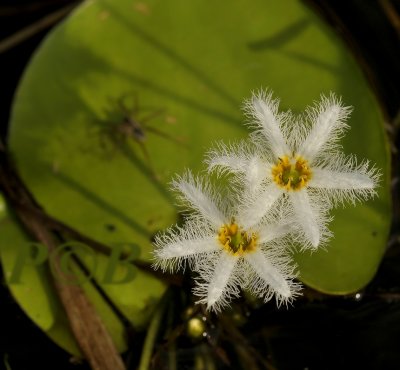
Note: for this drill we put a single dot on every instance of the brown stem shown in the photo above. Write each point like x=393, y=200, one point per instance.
x=87, y=327
x=29, y=31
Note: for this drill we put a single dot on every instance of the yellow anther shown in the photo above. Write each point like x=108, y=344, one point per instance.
x=291, y=173
x=236, y=241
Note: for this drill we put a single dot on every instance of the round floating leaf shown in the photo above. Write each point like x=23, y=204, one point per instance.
x=124, y=94
x=30, y=284
x=26, y=271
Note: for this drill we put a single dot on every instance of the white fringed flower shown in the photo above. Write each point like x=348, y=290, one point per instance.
x=298, y=159
x=226, y=250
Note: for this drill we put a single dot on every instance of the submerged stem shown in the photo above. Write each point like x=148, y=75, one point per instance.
x=151, y=336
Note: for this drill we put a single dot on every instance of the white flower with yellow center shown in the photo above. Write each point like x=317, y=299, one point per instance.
x=298, y=159
x=226, y=250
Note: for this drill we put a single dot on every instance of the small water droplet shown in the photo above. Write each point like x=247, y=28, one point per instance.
x=195, y=328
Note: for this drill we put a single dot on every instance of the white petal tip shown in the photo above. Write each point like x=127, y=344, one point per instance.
x=314, y=239
x=315, y=243
x=210, y=303
x=213, y=296
x=286, y=293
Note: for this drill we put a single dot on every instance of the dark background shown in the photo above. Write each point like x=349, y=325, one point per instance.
x=359, y=332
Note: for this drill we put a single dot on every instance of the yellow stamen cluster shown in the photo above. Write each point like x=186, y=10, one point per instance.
x=236, y=241
x=291, y=173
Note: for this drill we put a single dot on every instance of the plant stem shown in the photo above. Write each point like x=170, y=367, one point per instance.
x=89, y=330
x=151, y=336
x=34, y=28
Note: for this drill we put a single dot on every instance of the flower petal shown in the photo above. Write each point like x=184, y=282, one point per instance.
x=329, y=124
x=178, y=245
x=269, y=273
x=186, y=248
x=224, y=157
x=238, y=158
x=275, y=231
x=200, y=198
x=255, y=173
x=306, y=216
x=329, y=179
x=254, y=210
x=219, y=281
x=264, y=109
x=347, y=183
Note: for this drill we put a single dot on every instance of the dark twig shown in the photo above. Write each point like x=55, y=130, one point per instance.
x=34, y=28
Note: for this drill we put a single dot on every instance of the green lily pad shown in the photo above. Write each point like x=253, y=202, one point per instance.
x=31, y=286
x=26, y=273
x=190, y=65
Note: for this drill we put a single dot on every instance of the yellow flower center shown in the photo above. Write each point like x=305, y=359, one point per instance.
x=291, y=173
x=235, y=240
